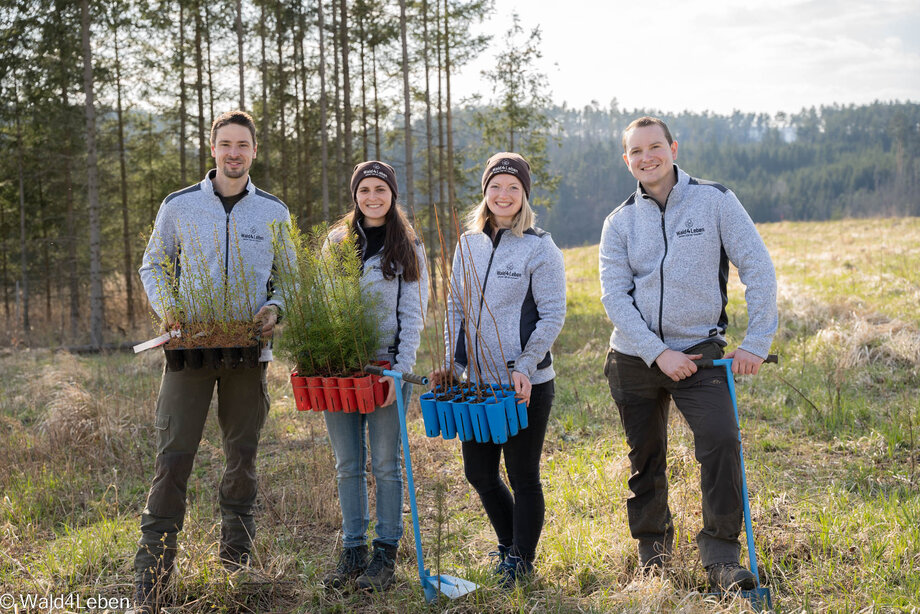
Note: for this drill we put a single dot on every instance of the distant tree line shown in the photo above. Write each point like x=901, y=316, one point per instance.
x=818, y=164
x=105, y=108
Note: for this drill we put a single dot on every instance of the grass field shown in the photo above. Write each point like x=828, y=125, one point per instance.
x=831, y=440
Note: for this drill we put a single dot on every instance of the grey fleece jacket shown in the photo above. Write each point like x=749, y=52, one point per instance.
x=506, y=307
x=664, y=271
x=228, y=257
x=402, y=306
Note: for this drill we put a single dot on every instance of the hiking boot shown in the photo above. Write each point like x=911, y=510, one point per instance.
x=513, y=570
x=381, y=572
x=729, y=577
x=146, y=599
x=653, y=555
x=501, y=554
x=234, y=562
x=352, y=563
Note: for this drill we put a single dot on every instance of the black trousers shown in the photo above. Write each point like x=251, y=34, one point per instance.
x=517, y=519
x=642, y=395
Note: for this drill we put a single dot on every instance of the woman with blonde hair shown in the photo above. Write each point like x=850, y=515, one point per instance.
x=506, y=308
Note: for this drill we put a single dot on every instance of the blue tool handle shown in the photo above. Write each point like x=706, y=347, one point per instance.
x=708, y=363
x=748, y=523
x=412, y=378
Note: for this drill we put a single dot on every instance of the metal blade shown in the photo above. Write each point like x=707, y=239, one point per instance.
x=156, y=341
x=451, y=586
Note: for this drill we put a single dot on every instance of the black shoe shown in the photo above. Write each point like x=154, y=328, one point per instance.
x=501, y=554
x=352, y=563
x=381, y=572
x=653, y=555
x=513, y=570
x=235, y=561
x=729, y=577
x=146, y=598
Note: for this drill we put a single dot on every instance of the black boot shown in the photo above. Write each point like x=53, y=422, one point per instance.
x=501, y=554
x=381, y=572
x=729, y=577
x=352, y=563
x=514, y=570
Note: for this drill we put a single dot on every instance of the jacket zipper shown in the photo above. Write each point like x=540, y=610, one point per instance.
x=664, y=236
x=482, y=298
x=226, y=260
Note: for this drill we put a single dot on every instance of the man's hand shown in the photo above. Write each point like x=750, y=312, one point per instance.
x=677, y=365
x=744, y=363
x=172, y=319
x=391, y=391
x=522, y=386
x=268, y=316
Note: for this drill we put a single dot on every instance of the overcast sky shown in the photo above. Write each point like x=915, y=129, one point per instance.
x=674, y=55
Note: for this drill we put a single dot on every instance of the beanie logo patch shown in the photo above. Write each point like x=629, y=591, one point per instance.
x=375, y=172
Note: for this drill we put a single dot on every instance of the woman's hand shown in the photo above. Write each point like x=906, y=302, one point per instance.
x=522, y=386
x=438, y=377
x=391, y=391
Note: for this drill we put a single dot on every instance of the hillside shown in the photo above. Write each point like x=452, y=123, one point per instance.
x=831, y=440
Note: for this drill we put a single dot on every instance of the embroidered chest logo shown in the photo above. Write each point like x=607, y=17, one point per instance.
x=507, y=272
x=690, y=230
x=252, y=235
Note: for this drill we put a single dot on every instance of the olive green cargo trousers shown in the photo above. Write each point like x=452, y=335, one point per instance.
x=182, y=408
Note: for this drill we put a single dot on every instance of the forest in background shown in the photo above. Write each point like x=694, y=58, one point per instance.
x=106, y=107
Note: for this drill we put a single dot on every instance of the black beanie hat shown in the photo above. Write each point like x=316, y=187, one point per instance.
x=373, y=168
x=507, y=163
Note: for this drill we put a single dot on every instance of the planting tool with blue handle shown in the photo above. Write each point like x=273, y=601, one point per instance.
x=449, y=585
x=759, y=596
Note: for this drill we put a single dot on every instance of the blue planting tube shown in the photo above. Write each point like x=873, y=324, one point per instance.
x=446, y=419
x=498, y=420
x=430, y=414
x=521, y=413
x=479, y=419
x=511, y=414
x=462, y=419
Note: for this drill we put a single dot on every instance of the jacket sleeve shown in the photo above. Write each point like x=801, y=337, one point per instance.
x=160, y=266
x=284, y=256
x=547, y=279
x=617, y=285
x=455, y=352
x=413, y=306
x=746, y=250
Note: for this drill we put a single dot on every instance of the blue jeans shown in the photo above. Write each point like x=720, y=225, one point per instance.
x=346, y=432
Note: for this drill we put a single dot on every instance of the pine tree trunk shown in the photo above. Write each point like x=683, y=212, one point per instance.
x=123, y=172
x=207, y=46
x=324, y=135
x=23, y=239
x=72, y=281
x=451, y=187
x=361, y=37
x=263, y=139
x=199, y=86
x=407, y=98
x=376, y=104
x=239, y=50
x=182, y=99
x=282, y=88
x=430, y=166
x=3, y=271
x=336, y=105
x=441, y=186
x=92, y=184
x=304, y=143
x=346, y=90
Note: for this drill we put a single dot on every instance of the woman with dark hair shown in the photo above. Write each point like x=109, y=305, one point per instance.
x=394, y=269
x=506, y=308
